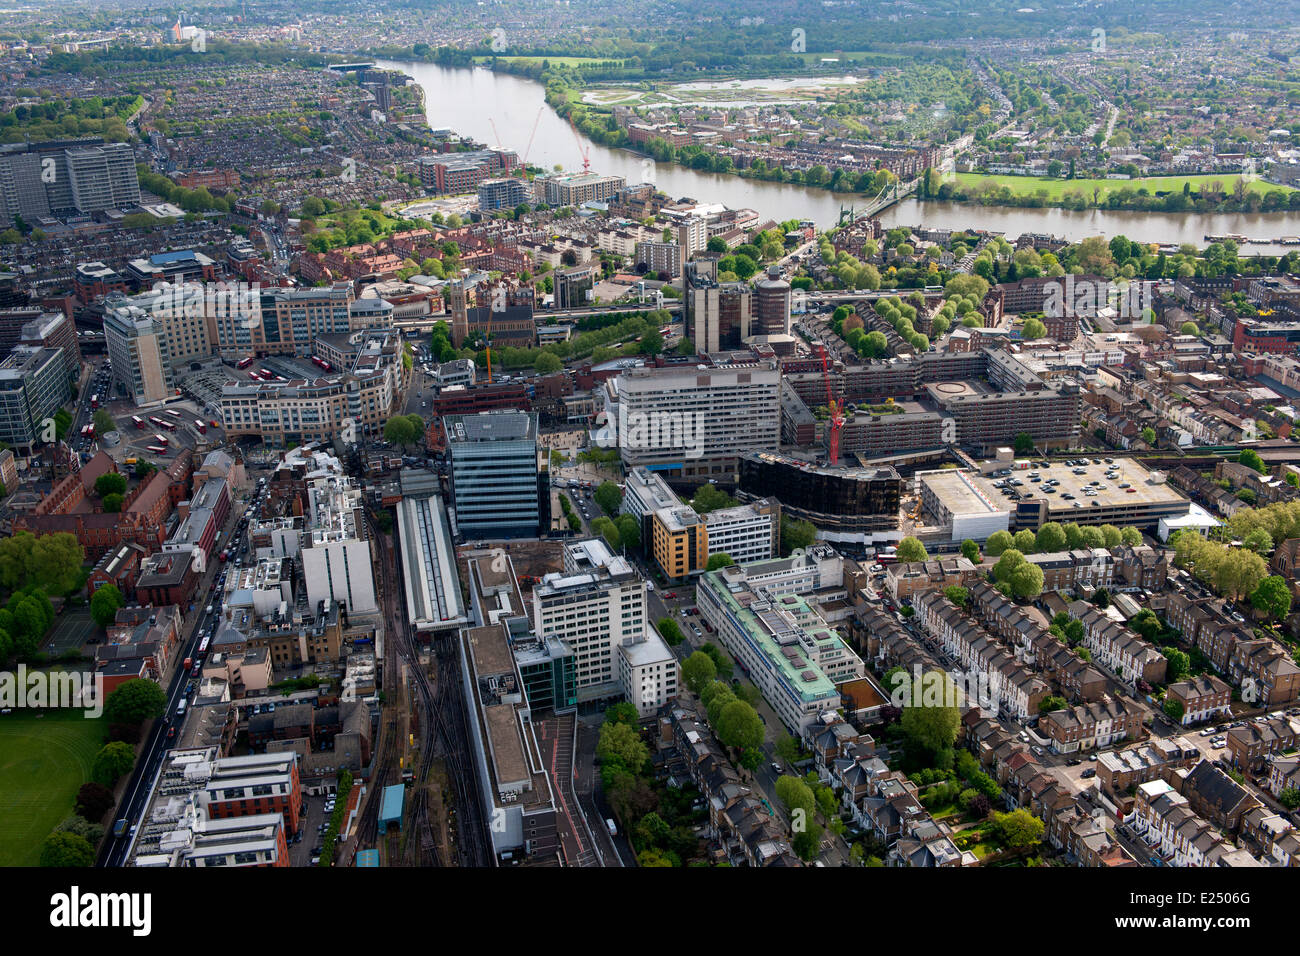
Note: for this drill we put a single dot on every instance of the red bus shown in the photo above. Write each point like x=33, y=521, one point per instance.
x=203, y=429
x=170, y=426
x=88, y=431
x=321, y=363
x=244, y=363
x=161, y=439
x=94, y=401
x=156, y=421
x=156, y=450
x=137, y=421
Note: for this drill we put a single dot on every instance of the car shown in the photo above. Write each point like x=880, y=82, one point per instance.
x=1092, y=758
x=1074, y=761
x=776, y=768
x=1089, y=773
x=1024, y=737
x=1038, y=751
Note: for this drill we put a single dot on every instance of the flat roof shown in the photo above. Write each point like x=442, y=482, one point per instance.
x=962, y=492
x=1109, y=494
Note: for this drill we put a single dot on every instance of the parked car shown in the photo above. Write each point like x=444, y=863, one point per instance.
x=1089, y=773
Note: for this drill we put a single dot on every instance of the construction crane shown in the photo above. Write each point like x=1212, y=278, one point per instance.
x=836, y=412
x=584, y=151
x=494, y=131
x=529, y=148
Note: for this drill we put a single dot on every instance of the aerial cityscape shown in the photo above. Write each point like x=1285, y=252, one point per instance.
x=522, y=434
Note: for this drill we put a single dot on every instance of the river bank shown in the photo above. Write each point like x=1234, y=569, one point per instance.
x=470, y=100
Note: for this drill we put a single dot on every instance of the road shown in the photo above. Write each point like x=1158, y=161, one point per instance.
x=149, y=759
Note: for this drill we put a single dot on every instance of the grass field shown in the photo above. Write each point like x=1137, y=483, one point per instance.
x=1056, y=188
x=44, y=760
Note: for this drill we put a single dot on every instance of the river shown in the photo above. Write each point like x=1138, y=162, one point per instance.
x=472, y=101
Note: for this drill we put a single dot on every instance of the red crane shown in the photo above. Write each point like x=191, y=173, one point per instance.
x=836, y=412
x=584, y=150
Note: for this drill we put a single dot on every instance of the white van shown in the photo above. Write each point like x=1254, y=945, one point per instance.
x=610, y=825
x=180, y=708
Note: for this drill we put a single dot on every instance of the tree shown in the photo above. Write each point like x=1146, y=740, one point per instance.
x=711, y=498
x=605, y=528
x=94, y=800
x=1189, y=328
x=957, y=594
x=56, y=562
x=1259, y=541
x=609, y=496
x=787, y=748
x=1149, y=435
x=1033, y=329
x=1273, y=597
x=670, y=632
x=796, y=534
x=1026, y=581
x=932, y=726
x=652, y=343
x=1180, y=664
x=971, y=551
x=1050, y=538
x=114, y=760
x=1025, y=541
x=1009, y=560
x=621, y=742
x=1250, y=458
x=997, y=543
x=113, y=504
x=135, y=701
x=1289, y=798
x=739, y=726
x=698, y=671
x=719, y=560
x=1174, y=710
x=622, y=712
x=104, y=424
x=110, y=483
x=104, y=605
x=1017, y=829
x=63, y=849
x=547, y=363
x=1049, y=704
x=629, y=531
x=1024, y=443
x=1131, y=536
x=400, y=430
x=911, y=549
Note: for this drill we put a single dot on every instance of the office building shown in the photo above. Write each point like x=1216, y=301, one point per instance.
x=65, y=178
x=335, y=550
x=793, y=656
x=772, y=304
x=138, y=349
x=102, y=177
x=517, y=790
x=694, y=423
x=494, y=474
x=210, y=810
x=595, y=604
x=33, y=386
